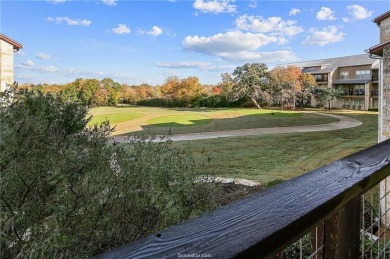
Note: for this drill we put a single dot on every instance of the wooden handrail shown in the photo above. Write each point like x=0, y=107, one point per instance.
x=265, y=223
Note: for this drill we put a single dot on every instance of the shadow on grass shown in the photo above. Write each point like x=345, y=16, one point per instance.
x=251, y=121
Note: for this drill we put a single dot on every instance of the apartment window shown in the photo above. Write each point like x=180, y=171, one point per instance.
x=344, y=75
x=359, y=89
x=363, y=74
x=321, y=77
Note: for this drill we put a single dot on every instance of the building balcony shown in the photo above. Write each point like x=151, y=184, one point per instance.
x=356, y=93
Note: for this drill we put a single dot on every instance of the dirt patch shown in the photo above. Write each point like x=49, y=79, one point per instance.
x=229, y=192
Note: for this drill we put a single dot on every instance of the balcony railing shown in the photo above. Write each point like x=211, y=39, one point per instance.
x=321, y=80
x=356, y=92
x=264, y=224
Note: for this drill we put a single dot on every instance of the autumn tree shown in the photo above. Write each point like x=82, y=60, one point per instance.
x=109, y=83
x=100, y=97
x=286, y=84
x=307, y=82
x=169, y=88
x=226, y=85
x=127, y=94
x=250, y=81
x=144, y=92
x=181, y=91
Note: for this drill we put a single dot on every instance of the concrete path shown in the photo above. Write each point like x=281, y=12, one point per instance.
x=343, y=123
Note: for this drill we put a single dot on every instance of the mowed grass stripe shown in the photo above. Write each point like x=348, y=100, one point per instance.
x=115, y=118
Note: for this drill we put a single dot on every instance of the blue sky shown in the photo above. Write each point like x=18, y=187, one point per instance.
x=138, y=42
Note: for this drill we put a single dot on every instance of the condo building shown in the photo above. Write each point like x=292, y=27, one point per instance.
x=356, y=75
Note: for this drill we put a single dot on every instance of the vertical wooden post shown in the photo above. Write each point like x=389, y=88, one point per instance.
x=342, y=232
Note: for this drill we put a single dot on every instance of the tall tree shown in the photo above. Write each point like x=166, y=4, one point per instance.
x=183, y=91
x=250, y=81
x=307, y=82
x=286, y=84
x=329, y=94
x=226, y=85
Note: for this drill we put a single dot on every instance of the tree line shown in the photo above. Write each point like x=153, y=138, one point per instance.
x=249, y=85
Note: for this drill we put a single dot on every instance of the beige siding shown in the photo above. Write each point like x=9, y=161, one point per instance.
x=6, y=64
x=351, y=70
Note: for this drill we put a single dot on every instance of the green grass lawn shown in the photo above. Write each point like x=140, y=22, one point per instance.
x=162, y=121
x=115, y=118
x=285, y=156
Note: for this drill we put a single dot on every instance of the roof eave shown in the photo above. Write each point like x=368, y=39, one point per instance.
x=381, y=17
x=377, y=50
x=16, y=45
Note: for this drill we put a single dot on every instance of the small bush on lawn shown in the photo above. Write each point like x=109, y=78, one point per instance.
x=68, y=192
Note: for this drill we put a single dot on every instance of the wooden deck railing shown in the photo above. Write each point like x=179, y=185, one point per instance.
x=265, y=223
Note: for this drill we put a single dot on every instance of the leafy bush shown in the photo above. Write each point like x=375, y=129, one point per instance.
x=68, y=192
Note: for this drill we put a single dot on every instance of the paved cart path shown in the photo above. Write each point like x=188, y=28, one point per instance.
x=343, y=123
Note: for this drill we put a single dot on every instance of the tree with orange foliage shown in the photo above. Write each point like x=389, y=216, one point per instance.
x=308, y=82
x=181, y=91
x=285, y=84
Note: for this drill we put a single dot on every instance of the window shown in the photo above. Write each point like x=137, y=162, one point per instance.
x=363, y=74
x=359, y=89
x=344, y=75
x=321, y=77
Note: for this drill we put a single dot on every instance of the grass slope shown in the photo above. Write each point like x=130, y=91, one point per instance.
x=285, y=156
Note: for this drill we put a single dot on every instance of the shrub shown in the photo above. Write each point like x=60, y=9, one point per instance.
x=68, y=192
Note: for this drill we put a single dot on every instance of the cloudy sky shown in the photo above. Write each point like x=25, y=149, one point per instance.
x=138, y=42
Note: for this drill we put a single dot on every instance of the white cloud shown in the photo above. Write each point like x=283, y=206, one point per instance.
x=238, y=46
x=359, y=12
x=28, y=63
x=294, y=11
x=282, y=56
x=110, y=2
x=325, y=14
x=121, y=29
x=172, y=1
x=345, y=19
x=32, y=67
x=70, y=21
x=156, y=31
x=44, y=56
x=56, y=1
x=270, y=25
x=214, y=6
x=234, y=41
x=184, y=64
x=323, y=37
x=50, y=69
x=252, y=3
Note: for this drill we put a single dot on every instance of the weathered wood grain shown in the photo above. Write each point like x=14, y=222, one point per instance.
x=263, y=224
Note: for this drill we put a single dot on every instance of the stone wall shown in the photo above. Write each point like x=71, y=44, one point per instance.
x=386, y=94
x=385, y=30
x=6, y=64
